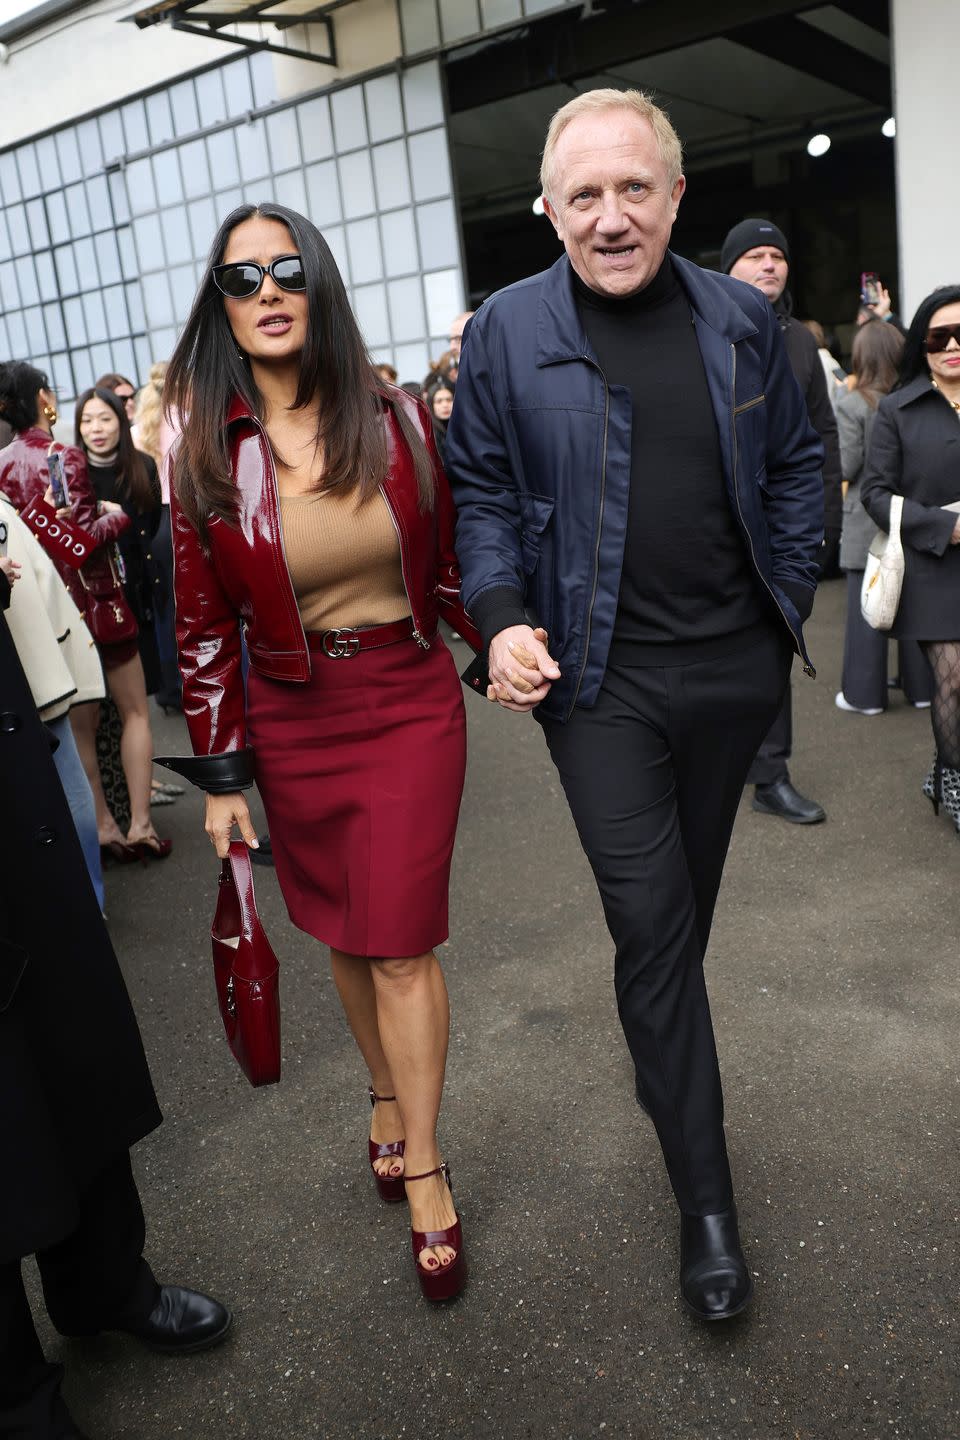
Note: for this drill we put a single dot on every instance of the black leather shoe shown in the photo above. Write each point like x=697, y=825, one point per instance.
x=181, y=1322
x=715, y=1283
x=781, y=799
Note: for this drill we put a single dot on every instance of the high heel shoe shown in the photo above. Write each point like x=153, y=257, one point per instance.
x=446, y=1281
x=389, y=1187
x=942, y=787
x=118, y=852
x=153, y=848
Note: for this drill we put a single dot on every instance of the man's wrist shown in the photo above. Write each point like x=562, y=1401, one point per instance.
x=497, y=609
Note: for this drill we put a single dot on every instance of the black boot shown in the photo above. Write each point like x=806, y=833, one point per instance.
x=180, y=1322
x=714, y=1280
x=782, y=799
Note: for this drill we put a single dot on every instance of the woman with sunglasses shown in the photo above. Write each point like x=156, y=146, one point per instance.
x=915, y=452
x=310, y=510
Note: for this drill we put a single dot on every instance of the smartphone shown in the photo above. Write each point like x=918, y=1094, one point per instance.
x=869, y=287
x=58, y=481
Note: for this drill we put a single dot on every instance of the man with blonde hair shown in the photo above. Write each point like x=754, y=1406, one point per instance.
x=632, y=460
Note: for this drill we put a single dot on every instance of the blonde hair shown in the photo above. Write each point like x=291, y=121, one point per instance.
x=590, y=102
x=149, y=411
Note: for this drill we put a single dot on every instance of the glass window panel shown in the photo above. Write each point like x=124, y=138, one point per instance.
x=29, y=170
x=111, y=136
x=418, y=19
x=46, y=275
x=66, y=270
x=94, y=316
x=264, y=79
x=118, y=197
x=56, y=335
x=356, y=184
x=86, y=137
x=226, y=201
x=370, y=308
x=405, y=303
x=33, y=320
x=239, y=89
x=252, y=146
x=98, y=203
x=194, y=169
x=444, y=299
x=124, y=360
x=183, y=103
x=437, y=228
x=101, y=360
x=534, y=7
x=135, y=131
x=337, y=241
x=17, y=226
x=315, y=130
x=176, y=235
x=283, y=140
x=144, y=353
x=17, y=336
x=459, y=18
x=9, y=179
x=412, y=361
x=430, y=164
x=384, y=111
x=129, y=264
x=73, y=318
x=156, y=299
x=203, y=225
x=161, y=342
x=363, y=243
x=222, y=152
x=213, y=107
x=498, y=12
x=57, y=221
x=290, y=190
x=159, y=117
x=323, y=194
x=108, y=258
x=37, y=222
x=47, y=163
x=9, y=290
x=349, y=121
x=391, y=174
x=85, y=259
x=4, y=341
x=138, y=320
x=83, y=371
x=399, y=243
x=78, y=212
x=422, y=96
x=115, y=308
x=140, y=189
x=166, y=175
x=27, y=280
x=183, y=288
x=146, y=233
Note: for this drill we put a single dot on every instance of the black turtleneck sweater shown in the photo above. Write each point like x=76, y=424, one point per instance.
x=686, y=590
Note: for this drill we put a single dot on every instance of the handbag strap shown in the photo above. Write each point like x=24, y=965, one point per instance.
x=237, y=867
x=896, y=514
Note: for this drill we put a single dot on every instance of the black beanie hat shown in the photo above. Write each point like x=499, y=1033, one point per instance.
x=745, y=236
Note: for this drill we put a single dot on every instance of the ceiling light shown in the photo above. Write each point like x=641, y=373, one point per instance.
x=538, y=205
x=818, y=145
x=889, y=128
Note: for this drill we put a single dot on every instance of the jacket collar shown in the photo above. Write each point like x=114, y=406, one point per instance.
x=560, y=331
x=238, y=409
x=919, y=385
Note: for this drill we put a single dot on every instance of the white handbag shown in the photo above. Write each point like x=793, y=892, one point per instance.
x=883, y=576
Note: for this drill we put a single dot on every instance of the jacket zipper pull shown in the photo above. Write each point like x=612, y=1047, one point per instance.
x=424, y=644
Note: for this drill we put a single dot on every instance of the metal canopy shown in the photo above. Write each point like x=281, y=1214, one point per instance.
x=240, y=22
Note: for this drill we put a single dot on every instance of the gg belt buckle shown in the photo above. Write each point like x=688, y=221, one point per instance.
x=340, y=644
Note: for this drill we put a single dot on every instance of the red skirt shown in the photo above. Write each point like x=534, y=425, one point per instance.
x=360, y=772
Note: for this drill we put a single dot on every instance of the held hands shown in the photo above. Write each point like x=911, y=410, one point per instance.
x=223, y=812
x=521, y=668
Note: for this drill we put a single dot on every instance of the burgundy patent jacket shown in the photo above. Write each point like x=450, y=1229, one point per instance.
x=243, y=579
x=24, y=477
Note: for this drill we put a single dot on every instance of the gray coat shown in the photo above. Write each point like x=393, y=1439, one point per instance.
x=854, y=422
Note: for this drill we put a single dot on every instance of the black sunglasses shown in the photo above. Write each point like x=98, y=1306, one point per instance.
x=243, y=279
x=939, y=338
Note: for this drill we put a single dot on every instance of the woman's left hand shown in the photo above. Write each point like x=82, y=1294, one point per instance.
x=65, y=511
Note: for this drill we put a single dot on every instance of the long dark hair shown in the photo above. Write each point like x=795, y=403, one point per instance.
x=20, y=384
x=877, y=351
x=133, y=477
x=914, y=360
x=207, y=371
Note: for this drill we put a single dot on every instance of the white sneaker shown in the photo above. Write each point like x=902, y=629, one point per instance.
x=842, y=703
x=920, y=704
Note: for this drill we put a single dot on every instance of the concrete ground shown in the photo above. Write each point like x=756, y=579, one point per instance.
x=833, y=974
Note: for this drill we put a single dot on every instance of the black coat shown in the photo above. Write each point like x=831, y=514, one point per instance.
x=915, y=452
x=804, y=357
x=74, y=1084
x=147, y=580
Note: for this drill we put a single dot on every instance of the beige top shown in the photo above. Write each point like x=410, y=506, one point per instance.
x=344, y=562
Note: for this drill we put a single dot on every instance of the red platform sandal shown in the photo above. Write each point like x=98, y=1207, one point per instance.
x=446, y=1281
x=389, y=1187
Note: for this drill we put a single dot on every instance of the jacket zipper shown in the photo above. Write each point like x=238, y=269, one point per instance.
x=420, y=639
x=276, y=495
x=596, y=557
x=748, y=404
x=807, y=667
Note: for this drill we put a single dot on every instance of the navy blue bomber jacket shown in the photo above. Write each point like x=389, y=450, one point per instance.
x=538, y=454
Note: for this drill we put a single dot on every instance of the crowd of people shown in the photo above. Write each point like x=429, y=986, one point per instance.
x=309, y=502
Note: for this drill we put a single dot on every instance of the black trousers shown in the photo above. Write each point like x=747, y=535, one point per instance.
x=653, y=775
x=865, y=650
x=91, y=1280
x=770, y=762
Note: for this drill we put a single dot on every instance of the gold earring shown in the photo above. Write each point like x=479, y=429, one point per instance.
x=50, y=413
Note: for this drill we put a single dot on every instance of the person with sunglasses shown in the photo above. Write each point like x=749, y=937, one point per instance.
x=309, y=507
x=915, y=452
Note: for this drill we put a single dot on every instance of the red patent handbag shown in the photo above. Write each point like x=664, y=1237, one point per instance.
x=246, y=972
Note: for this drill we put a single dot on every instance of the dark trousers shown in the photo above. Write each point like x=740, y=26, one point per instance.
x=770, y=762
x=653, y=774
x=91, y=1280
x=864, y=681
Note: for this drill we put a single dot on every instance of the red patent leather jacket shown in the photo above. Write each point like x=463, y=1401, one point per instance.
x=243, y=578
x=24, y=477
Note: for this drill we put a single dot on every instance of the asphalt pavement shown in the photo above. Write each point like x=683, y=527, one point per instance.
x=833, y=973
